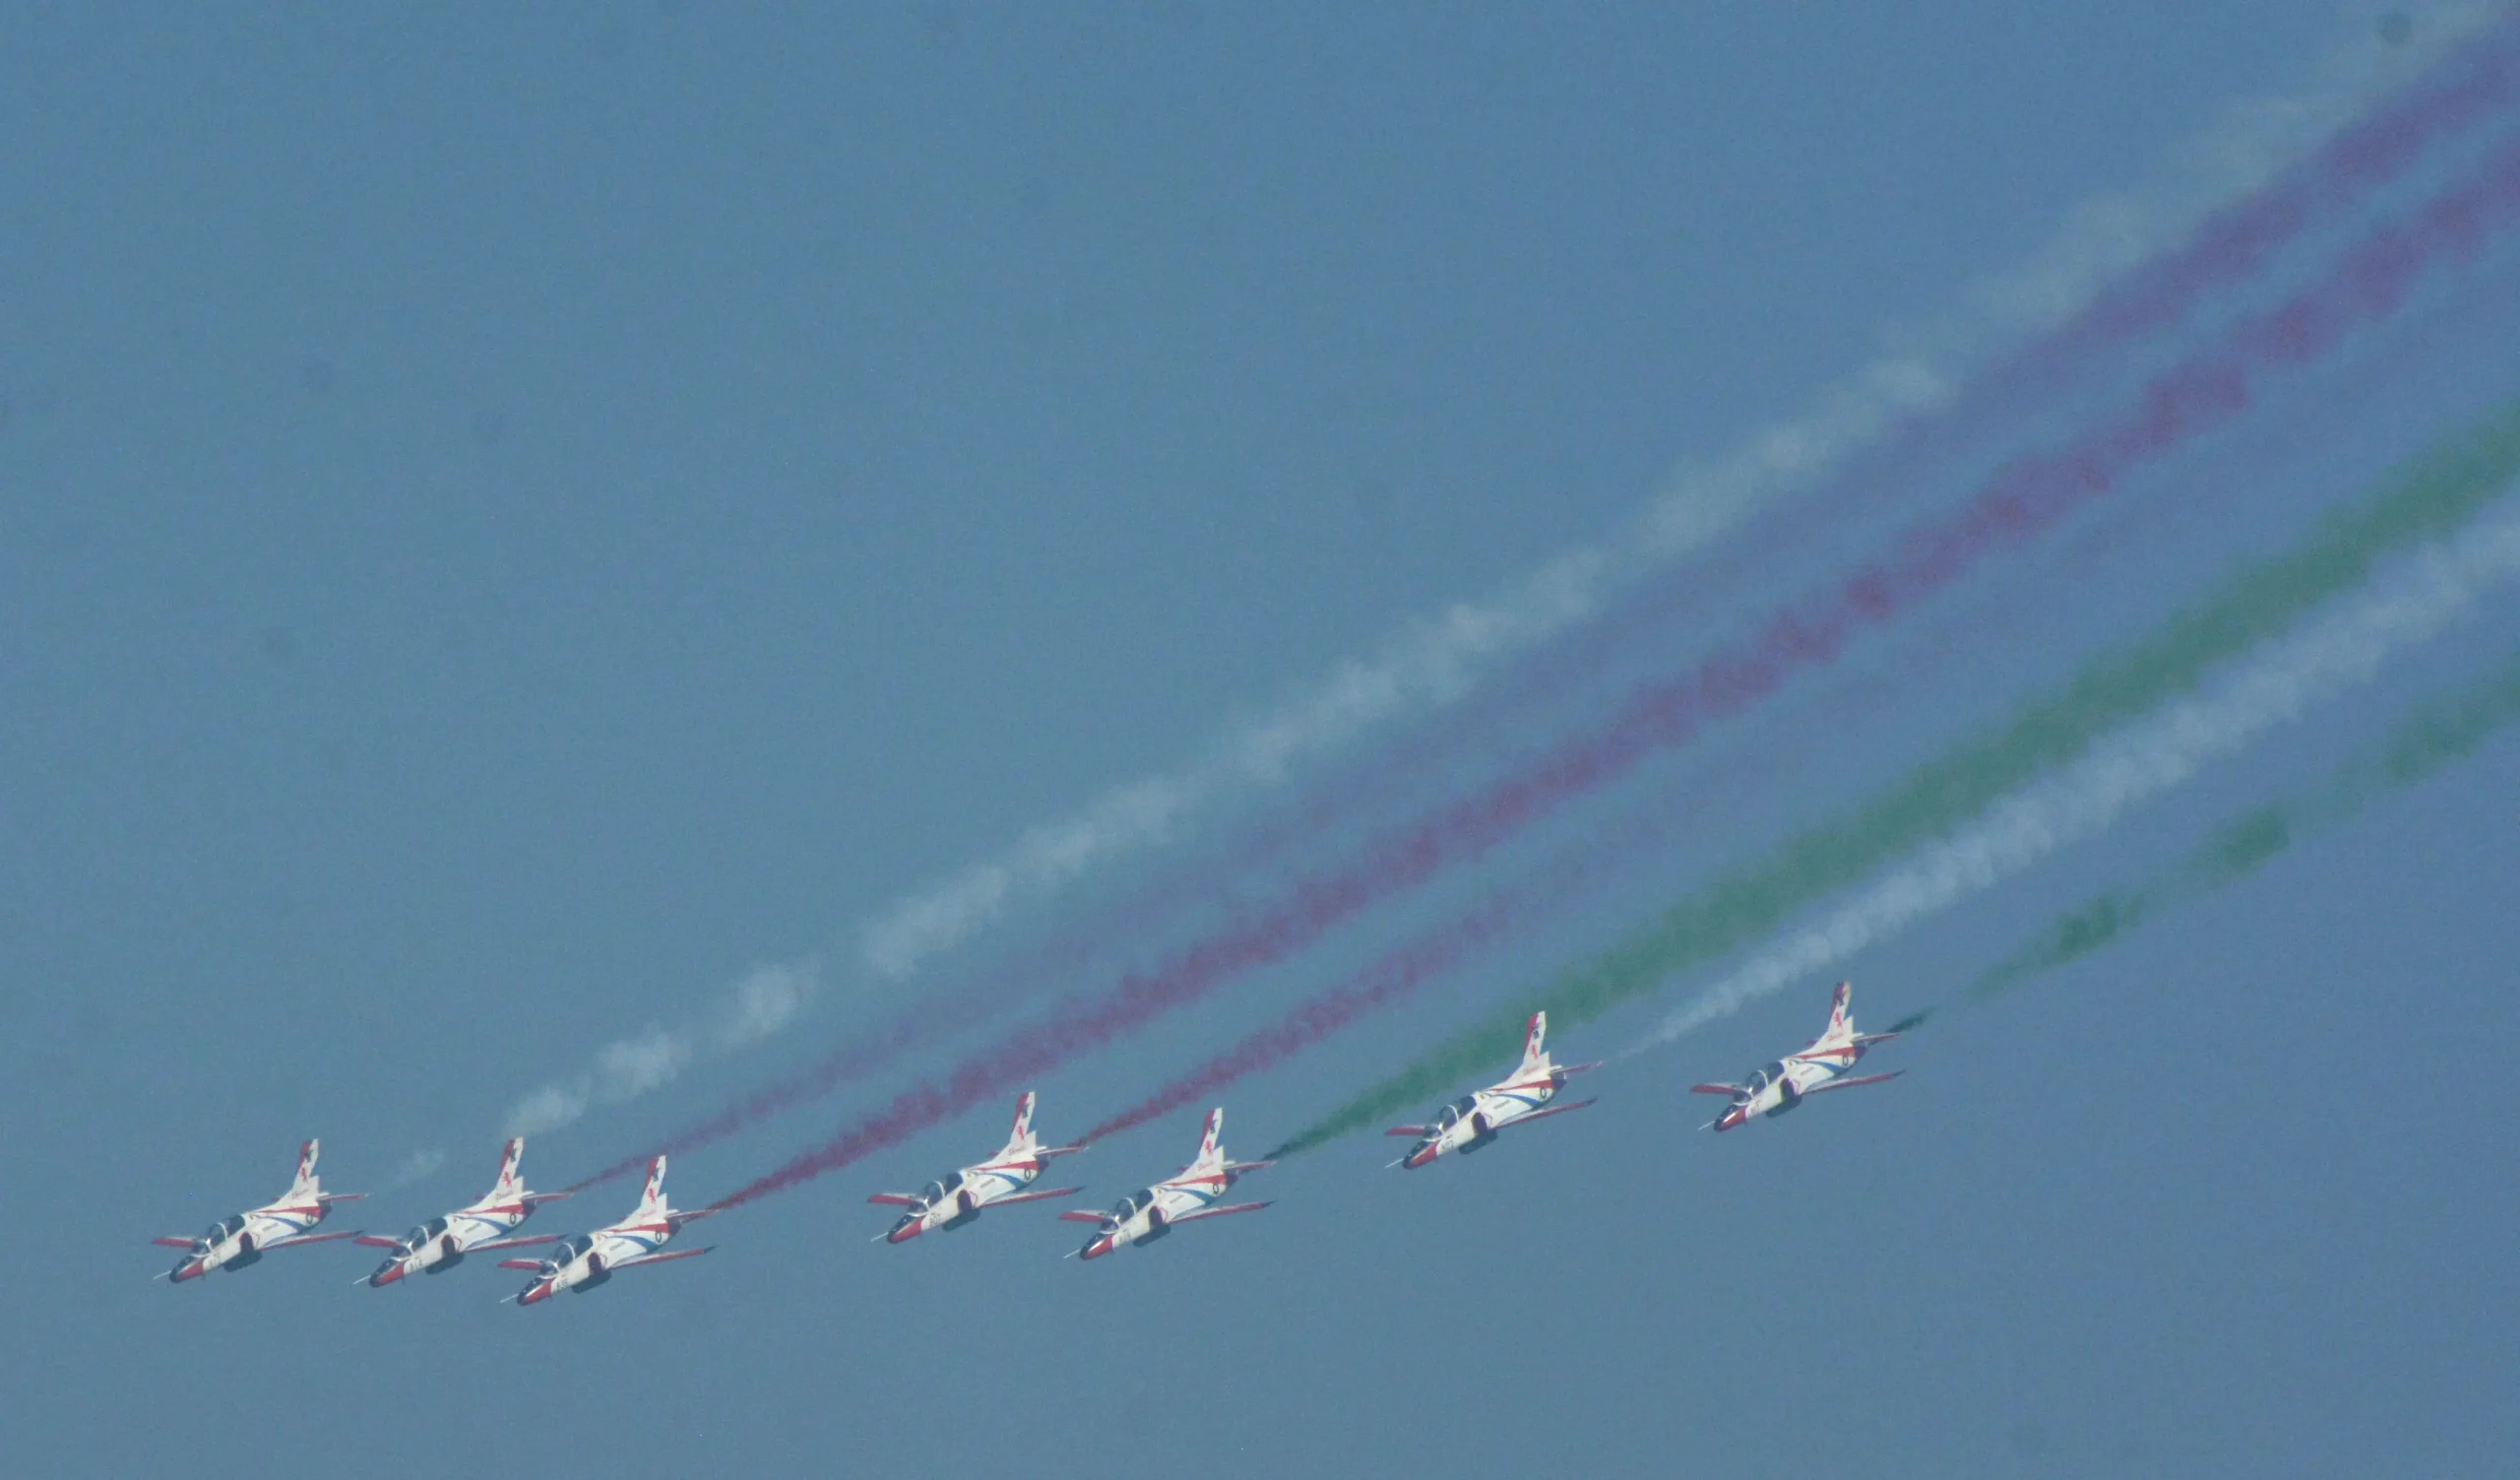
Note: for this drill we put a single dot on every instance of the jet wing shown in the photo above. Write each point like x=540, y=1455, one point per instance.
x=537, y=1199
x=675, y=1221
x=373, y=1240
x=314, y=1238
x=1715, y=1089
x=895, y=1199
x=1581, y=1068
x=1072, y=1215
x=659, y=1259
x=1542, y=1115
x=1033, y=1196
x=1416, y=1130
x=520, y=1264
x=1044, y=1153
x=1248, y=1166
x=530, y=1239
x=1851, y=1083
x=172, y=1242
x=1218, y=1212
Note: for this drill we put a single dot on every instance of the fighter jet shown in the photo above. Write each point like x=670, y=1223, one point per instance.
x=441, y=1244
x=1473, y=1121
x=958, y=1199
x=242, y=1239
x=1150, y=1213
x=585, y=1260
x=1784, y=1085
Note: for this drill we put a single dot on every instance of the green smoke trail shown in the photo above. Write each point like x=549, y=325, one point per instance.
x=2433, y=494
x=2431, y=737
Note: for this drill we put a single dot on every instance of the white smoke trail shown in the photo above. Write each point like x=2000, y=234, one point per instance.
x=2343, y=647
x=415, y=1166
x=767, y=1000
x=1434, y=661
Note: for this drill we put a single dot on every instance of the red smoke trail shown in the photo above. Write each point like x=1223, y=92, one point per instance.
x=859, y=1056
x=1391, y=977
x=2465, y=89
x=2231, y=245
x=2023, y=498
x=2228, y=248
x=1400, y=972
x=1388, y=978
x=973, y=1005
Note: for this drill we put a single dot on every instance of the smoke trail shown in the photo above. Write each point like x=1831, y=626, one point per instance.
x=2441, y=491
x=2435, y=734
x=2025, y=497
x=413, y=1166
x=2129, y=767
x=1432, y=661
x=765, y=1000
x=2022, y=499
x=1403, y=971
x=1396, y=974
x=1389, y=979
x=1399, y=973
x=2236, y=240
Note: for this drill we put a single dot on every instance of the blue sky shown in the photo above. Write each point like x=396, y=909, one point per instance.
x=507, y=524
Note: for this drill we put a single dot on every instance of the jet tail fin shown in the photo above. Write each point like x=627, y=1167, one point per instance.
x=652, y=1201
x=1535, y=1040
x=308, y=1183
x=1019, y=1140
x=511, y=1168
x=1841, y=1016
x=1212, y=1142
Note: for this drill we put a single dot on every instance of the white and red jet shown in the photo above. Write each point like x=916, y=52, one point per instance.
x=242, y=1239
x=1782, y=1085
x=1198, y=1192
x=1473, y=1121
x=586, y=1260
x=954, y=1200
x=441, y=1244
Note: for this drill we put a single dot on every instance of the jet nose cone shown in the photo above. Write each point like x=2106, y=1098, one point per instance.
x=1419, y=1158
x=386, y=1273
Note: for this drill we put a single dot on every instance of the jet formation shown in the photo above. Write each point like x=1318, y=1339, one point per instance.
x=583, y=1261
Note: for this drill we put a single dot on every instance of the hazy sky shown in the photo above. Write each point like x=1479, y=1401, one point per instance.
x=508, y=525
